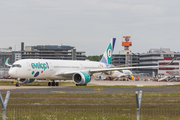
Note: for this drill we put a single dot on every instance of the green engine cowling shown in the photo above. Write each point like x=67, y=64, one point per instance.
x=81, y=78
x=26, y=80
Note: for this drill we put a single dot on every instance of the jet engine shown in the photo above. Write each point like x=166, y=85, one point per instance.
x=131, y=77
x=81, y=78
x=26, y=80
x=109, y=72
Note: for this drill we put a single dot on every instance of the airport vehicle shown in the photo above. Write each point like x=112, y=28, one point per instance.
x=27, y=70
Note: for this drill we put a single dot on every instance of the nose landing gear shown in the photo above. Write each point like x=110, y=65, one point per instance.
x=16, y=83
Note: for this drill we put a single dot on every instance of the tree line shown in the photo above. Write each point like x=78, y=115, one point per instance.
x=94, y=58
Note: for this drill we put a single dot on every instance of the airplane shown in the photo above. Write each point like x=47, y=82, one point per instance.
x=126, y=73
x=27, y=70
x=119, y=74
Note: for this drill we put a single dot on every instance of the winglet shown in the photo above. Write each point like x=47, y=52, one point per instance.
x=7, y=62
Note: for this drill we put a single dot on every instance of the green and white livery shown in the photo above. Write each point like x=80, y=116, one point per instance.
x=107, y=56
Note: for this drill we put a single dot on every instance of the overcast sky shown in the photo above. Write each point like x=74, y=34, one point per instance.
x=89, y=25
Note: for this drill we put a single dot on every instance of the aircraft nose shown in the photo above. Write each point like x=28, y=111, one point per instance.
x=12, y=72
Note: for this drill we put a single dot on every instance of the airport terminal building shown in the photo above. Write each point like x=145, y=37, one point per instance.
x=172, y=69
x=151, y=58
x=62, y=52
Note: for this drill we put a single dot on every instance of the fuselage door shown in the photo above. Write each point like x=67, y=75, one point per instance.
x=81, y=66
x=28, y=66
x=50, y=66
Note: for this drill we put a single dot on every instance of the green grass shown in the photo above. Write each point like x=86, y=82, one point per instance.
x=90, y=114
x=92, y=106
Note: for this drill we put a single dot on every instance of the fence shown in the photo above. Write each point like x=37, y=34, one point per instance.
x=90, y=114
x=78, y=107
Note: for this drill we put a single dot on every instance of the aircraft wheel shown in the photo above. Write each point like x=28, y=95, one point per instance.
x=84, y=85
x=49, y=84
x=53, y=83
x=17, y=85
x=77, y=84
x=57, y=84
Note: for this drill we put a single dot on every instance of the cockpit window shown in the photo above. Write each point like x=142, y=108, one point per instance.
x=16, y=65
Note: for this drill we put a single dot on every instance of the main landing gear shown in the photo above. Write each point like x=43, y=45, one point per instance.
x=53, y=83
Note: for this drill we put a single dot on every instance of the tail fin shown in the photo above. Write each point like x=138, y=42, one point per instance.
x=171, y=61
x=6, y=63
x=107, y=56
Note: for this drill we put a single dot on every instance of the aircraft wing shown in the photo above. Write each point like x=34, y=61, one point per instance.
x=66, y=73
x=119, y=69
x=92, y=71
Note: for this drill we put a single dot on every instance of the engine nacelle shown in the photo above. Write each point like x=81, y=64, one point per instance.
x=81, y=78
x=26, y=80
x=131, y=77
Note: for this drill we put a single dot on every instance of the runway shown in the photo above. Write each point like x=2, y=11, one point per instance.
x=132, y=82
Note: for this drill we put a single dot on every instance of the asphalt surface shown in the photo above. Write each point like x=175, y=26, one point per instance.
x=73, y=89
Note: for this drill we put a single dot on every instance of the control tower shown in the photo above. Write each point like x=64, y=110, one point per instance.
x=126, y=43
x=126, y=54
x=126, y=57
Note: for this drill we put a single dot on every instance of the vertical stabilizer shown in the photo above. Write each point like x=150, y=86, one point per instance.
x=107, y=56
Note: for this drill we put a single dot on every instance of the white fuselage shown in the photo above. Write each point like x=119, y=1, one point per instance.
x=48, y=69
x=117, y=74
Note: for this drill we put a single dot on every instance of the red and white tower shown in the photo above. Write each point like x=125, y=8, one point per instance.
x=126, y=43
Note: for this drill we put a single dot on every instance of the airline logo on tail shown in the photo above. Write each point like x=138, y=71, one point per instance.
x=107, y=56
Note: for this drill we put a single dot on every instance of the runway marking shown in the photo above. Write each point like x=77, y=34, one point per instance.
x=98, y=89
x=58, y=91
x=62, y=92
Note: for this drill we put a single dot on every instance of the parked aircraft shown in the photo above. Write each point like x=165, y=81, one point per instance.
x=27, y=70
x=125, y=73
x=119, y=74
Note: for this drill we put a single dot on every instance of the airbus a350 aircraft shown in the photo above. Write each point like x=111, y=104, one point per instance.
x=27, y=70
